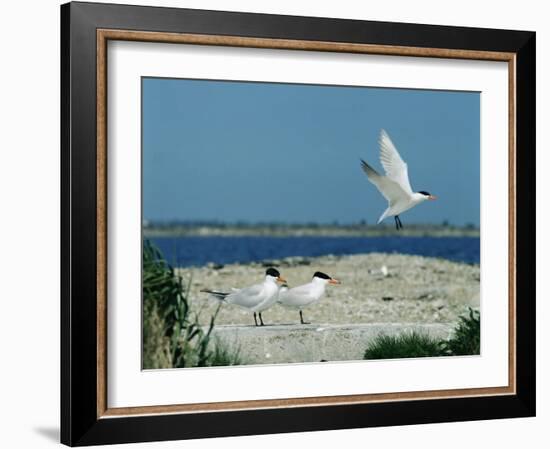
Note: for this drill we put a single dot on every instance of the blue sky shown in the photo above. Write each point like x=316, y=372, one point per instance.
x=230, y=151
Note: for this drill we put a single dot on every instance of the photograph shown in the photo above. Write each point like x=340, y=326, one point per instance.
x=303, y=223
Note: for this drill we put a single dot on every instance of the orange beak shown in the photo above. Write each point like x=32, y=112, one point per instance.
x=281, y=280
x=334, y=281
x=432, y=197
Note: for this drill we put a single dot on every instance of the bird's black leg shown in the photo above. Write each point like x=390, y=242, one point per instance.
x=255, y=320
x=302, y=319
x=261, y=321
x=398, y=224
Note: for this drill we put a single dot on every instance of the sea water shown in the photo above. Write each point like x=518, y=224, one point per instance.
x=198, y=251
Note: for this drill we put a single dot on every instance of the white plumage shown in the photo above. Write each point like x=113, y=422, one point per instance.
x=307, y=294
x=394, y=185
x=256, y=298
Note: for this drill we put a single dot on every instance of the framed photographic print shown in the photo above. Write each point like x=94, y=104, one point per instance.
x=280, y=224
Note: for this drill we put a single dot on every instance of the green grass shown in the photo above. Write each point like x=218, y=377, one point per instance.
x=464, y=341
x=466, y=338
x=172, y=334
x=406, y=345
x=223, y=356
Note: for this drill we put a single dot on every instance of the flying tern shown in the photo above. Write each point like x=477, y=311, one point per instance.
x=307, y=294
x=255, y=298
x=395, y=185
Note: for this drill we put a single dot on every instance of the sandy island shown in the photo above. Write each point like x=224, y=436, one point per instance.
x=414, y=289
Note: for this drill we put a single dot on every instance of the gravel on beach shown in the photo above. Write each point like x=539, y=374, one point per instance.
x=376, y=288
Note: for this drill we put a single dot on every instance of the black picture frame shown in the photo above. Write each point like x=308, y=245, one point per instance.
x=80, y=423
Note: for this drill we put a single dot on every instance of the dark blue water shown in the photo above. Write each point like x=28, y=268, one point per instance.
x=197, y=251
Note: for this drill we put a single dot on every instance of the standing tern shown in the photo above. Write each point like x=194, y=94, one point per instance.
x=255, y=298
x=395, y=185
x=307, y=294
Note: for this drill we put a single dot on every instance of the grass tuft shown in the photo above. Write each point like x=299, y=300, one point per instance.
x=172, y=334
x=223, y=356
x=465, y=341
x=406, y=345
x=466, y=337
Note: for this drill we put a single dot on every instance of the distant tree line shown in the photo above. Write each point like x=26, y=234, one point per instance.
x=242, y=224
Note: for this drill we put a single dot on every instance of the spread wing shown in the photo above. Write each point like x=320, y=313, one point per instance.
x=246, y=297
x=395, y=168
x=390, y=189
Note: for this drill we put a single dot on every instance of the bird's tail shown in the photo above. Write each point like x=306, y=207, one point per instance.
x=384, y=215
x=218, y=295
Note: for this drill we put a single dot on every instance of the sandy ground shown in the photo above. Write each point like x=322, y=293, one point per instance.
x=414, y=290
x=298, y=343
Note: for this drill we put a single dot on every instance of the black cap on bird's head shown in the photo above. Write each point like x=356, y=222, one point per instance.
x=272, y=272
x=428, y=195
x=275, y=273
x=326, y=277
